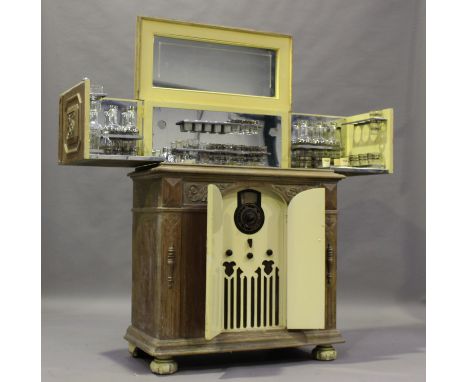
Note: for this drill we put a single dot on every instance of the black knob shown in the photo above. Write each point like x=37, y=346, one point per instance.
x=269, y=252
x=249, y=255
x=229, y=252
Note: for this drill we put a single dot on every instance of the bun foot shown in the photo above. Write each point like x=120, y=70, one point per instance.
x=133, y=350
x=163, y=366
x=324, y=353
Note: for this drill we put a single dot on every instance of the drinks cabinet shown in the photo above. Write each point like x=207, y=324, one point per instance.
x=234, y=195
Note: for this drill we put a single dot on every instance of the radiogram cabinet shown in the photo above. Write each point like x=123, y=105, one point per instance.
x=234, y=195
x=231, y=259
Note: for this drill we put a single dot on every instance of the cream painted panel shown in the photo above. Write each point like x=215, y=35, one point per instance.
x=269, y=289
x=214, y=243
x=306, y=260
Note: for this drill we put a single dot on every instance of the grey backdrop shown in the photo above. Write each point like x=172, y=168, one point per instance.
x=350, y=56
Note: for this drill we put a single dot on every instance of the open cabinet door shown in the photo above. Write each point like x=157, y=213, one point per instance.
x=214, y=240
x=360, y=144
x=306, y=261
x=96, y=130
x=367, y=141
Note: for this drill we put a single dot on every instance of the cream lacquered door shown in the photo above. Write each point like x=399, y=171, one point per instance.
x=249, y=255
x=306, y=260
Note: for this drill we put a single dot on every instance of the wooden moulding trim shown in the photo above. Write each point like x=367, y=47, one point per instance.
x=199, y=208
x=236, y=171
x=227, y=342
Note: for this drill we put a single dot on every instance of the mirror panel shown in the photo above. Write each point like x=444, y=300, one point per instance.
x=216, y=137
x=207, y=66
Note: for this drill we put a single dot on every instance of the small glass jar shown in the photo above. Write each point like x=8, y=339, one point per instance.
x=363, y=160
x=198, y=126
x=354, y=160
x=377, y=159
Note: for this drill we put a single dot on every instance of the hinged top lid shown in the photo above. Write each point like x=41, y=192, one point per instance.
x=187, y=63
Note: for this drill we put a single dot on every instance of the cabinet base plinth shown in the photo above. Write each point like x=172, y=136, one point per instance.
x=324, y=353
x=231, y=342
x=163, y=366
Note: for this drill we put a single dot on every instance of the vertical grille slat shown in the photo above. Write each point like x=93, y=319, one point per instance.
x=251, y=302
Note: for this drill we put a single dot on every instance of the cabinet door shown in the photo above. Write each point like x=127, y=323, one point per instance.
x=213, y=310
x=306, y=260
x=361, y=144
x=74, y=123
x=369, y=134
x=103, y=131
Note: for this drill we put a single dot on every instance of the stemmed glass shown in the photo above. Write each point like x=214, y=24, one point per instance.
x=315, y=134
x=112, y=115
x=303, y=132
x=129, y=121
x=295, y=132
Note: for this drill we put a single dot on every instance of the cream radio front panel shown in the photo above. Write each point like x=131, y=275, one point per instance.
x=265, y=260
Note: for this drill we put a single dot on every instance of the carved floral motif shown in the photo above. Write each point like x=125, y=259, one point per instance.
x=196, y=193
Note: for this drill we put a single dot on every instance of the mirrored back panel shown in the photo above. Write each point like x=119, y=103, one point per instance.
x=216, y=137
x=214, y=67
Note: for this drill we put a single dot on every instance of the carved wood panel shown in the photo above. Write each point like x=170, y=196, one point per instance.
x=72, y=121
x=196, y=192
x=170, y=281
x=330, y=258
x=171, y=192
x=145, y=236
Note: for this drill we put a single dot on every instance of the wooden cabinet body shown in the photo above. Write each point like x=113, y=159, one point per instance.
x=169, y=258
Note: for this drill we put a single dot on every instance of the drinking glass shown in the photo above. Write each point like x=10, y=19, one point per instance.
x=111, y=115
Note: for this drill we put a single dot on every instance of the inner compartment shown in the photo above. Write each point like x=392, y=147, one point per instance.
x=114, y=128
x=216, y=137
x=356, y=144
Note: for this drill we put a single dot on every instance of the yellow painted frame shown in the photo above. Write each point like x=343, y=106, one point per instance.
x=147, y=28
x=279, y=105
